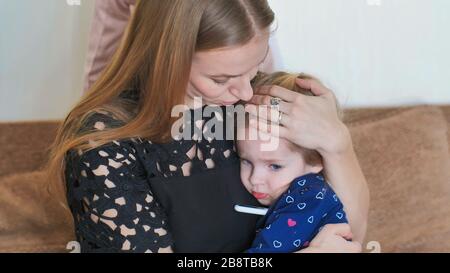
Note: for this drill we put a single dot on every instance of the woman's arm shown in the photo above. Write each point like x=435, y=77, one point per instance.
x=341, y=165
x=346, y=178
x=313, y=123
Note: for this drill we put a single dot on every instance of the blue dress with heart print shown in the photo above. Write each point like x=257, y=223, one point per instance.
x=297, y=216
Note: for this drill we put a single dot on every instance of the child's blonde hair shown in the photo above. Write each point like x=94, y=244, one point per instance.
x=288, y=81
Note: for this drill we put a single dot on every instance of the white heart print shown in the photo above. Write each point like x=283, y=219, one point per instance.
x=297, y=243
x=289, y=199
x=319, y=196
x=277, y=244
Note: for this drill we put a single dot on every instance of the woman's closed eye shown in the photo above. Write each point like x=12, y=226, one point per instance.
x=220, y=82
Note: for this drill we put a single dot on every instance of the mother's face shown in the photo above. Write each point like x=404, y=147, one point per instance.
x=222, y=76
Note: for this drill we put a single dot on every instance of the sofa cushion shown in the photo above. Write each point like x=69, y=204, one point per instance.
x=404, y=156
x=354, y=115
x=446, y=110
x=31, y=221
x=24, y=145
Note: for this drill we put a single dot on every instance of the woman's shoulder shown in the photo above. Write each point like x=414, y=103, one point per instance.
x=99, y=121
x=120, y=150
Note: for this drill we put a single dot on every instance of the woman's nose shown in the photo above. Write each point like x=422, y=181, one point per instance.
x=243, y=90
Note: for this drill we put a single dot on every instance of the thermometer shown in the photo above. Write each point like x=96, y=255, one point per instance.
x=251, y=210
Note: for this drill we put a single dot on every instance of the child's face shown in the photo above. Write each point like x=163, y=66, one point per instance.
x=268, y=174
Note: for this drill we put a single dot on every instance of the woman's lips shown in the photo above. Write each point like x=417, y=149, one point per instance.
x=259, y=195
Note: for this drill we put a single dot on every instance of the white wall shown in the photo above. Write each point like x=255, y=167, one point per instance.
x=42, y=52
x=394, y=53
x=371, y=52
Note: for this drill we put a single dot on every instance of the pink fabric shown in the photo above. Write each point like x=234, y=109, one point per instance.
x=108, y=25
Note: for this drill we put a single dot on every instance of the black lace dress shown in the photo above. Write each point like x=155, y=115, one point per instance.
x=137, y=196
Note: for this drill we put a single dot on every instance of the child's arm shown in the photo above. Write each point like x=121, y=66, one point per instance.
x=294, y=226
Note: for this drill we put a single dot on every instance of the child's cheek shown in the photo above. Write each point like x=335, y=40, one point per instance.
x=277, y=188
x=244, y=178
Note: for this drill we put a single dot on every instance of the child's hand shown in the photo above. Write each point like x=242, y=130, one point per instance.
x=333, y=239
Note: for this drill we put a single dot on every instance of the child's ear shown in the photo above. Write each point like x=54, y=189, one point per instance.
x=317, y=168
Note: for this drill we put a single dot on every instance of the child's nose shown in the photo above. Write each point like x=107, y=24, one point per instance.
x=257, y=178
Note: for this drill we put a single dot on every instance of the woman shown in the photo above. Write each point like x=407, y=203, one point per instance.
x=131, y=187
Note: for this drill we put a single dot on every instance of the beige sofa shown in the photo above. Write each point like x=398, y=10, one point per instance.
x=404, y=153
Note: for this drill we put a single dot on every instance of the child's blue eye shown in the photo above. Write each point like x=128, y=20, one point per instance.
x=275, y=167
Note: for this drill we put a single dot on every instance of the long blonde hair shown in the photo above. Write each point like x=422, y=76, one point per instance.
x=154, y=59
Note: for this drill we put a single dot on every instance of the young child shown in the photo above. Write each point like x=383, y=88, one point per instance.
x=289, y=181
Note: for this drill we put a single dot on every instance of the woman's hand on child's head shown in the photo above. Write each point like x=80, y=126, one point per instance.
x=334, y=238
x=311, y=122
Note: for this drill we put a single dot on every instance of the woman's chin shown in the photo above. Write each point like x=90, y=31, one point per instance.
x=226, y=103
